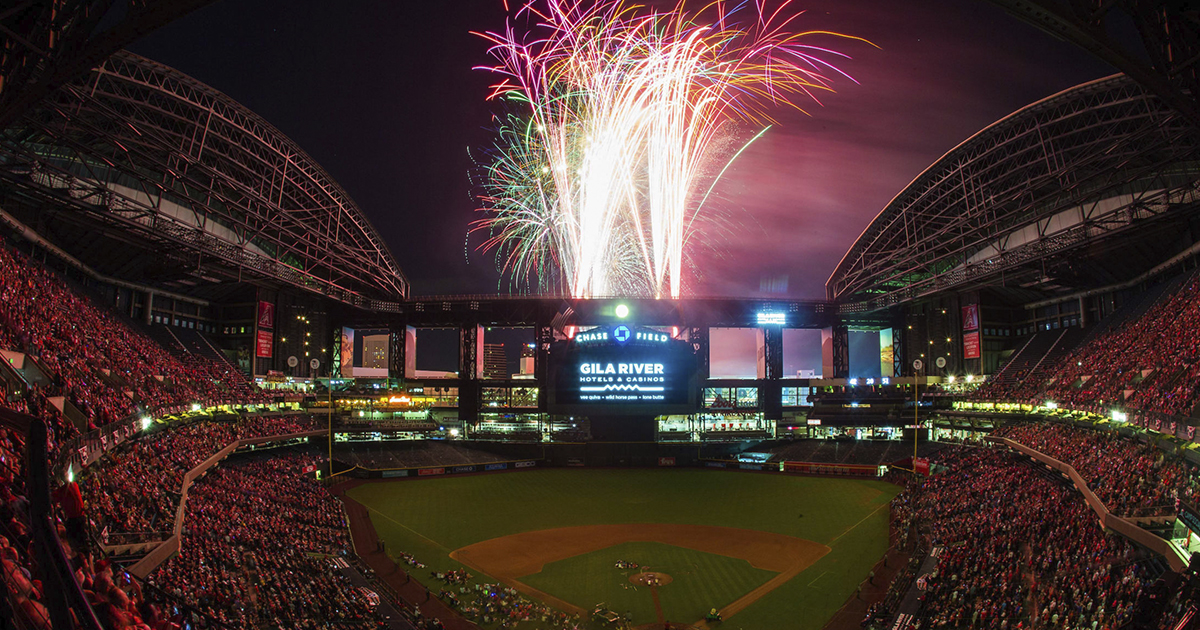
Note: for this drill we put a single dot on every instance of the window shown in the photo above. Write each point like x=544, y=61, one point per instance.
x=747, y=397
x=495, y=397
x=718, y=397
x=524, y=397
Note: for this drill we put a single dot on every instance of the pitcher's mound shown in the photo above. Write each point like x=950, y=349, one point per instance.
x=650, y=578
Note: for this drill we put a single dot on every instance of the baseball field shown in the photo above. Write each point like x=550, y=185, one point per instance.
x=768, y=551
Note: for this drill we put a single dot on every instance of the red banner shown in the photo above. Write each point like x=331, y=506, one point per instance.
x=666, y=461
x=970, y=315
x=921, y=465
x=266, y=315
x=266, y=341
x=425, y=472
x=971, y=345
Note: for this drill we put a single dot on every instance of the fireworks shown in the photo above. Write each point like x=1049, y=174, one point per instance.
x=621, y=121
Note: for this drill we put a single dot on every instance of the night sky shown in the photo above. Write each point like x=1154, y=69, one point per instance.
x=382, y=94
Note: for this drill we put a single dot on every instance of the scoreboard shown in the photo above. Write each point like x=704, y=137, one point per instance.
x=621, y=368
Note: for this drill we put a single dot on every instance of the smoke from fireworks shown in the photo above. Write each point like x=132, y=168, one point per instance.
x=621, y=122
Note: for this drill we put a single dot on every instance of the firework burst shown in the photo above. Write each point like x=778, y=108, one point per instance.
x=620, y=124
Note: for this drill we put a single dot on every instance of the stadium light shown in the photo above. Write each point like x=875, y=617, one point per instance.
x=145, y=422
x=970, y=378
x=622, y=311
x=195, y=406
x=1050, y=404
x=950, y=379
x=772, y=319
x=70, y=474
x=1119, y=416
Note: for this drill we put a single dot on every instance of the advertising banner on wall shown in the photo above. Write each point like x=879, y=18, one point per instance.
x=266, y=314
x=921, y=465
x=971, y=345
x=264, y=344
x=970, y=316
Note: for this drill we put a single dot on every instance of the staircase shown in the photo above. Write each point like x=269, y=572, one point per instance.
x=1029, y=356
x=1067, y=342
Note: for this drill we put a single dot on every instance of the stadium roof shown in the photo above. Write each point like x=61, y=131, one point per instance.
x=152, y=176
x=49, y=42
x=1028, y=201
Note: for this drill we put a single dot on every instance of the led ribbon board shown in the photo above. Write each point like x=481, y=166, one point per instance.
x=621, y=368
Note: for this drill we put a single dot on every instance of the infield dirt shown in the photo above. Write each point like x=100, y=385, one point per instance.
x=510, y=558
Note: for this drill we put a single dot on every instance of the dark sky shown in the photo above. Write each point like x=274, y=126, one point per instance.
x=382, y=94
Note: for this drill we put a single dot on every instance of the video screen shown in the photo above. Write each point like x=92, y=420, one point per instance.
x=622, y=369
x=735, y=353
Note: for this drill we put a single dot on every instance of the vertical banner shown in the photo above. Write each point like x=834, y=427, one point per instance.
x=266, y=315
x=347, y=352
x=886, y=353
x=971, y=345
x=970, y=321
x=264, y=345
x=970, y=316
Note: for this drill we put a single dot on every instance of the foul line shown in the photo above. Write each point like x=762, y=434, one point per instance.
x=830, y=543
x=419, y=534
x=817, y=578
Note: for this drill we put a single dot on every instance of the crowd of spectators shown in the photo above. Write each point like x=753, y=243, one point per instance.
x=116, y=599
x=135, y=487
x=1034, y=559
x=257, y=543
x=1149, y=363
x=16, y=543
x=1130, y=478
x=103, y=366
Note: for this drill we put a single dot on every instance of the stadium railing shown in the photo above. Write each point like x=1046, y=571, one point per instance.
x=62, y=595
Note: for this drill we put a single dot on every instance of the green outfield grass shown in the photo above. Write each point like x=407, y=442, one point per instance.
x=432, y=517
x=700, y=581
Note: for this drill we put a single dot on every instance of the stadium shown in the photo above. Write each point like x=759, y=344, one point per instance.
x=225, y=406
